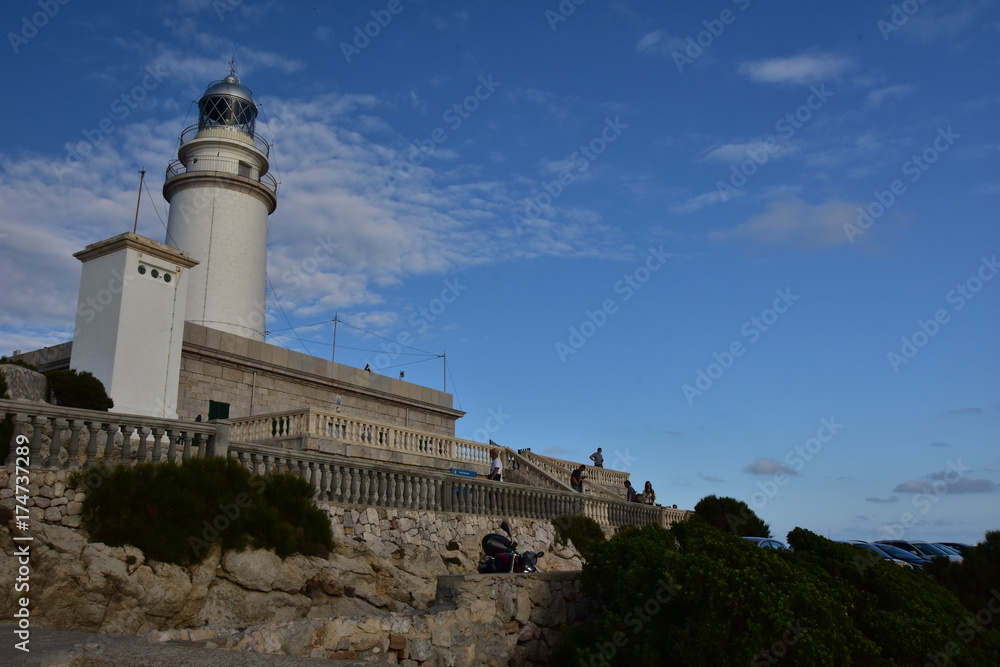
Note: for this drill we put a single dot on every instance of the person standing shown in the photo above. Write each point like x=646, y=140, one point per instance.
x=496, y=466
x=597, y=458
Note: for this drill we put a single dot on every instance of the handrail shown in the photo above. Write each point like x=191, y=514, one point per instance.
x=232, y=165
x=363, y=482
x=192, y=132
x=325, y=424
x=68, y=438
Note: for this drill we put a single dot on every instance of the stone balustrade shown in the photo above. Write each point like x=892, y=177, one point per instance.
x=61, y=438
x=350, y=481
x=314, y=423
x=69, y=438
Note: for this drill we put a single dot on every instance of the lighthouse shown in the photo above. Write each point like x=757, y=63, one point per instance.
x=220, y=195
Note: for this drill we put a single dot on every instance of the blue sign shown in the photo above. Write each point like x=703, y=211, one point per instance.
x=463, y=473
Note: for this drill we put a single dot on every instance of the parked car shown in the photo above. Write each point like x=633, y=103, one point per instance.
x=920, y=548
x=877, y=551
x=957, y=546
x=767, y=542
x=915, y=561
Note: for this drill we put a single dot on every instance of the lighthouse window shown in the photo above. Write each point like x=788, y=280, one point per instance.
x=142, y=270
x=245, y=170
x=154, y=273
x=166, y=277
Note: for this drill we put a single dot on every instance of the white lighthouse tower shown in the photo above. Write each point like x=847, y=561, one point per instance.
x=220, y=195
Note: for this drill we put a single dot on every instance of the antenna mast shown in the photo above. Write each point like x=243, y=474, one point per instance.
x=135, y=225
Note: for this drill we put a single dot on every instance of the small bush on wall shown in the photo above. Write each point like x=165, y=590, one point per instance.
x=173, y=513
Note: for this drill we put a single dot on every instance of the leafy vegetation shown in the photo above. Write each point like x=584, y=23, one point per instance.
x=79, y=390
x=699, y=595
x=976, y=580
x=731, y=515
x=174, y=512
x=582, y=531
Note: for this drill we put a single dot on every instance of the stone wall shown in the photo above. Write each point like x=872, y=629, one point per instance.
x=249, y=374
x=24, y=383
x=376, y=594
x=478, y=619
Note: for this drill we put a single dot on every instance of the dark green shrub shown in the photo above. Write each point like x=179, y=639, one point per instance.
x=697, y=595
x=582, y=531
x=976, y=580
x=79, y=390
x=731, y=515
x=174, y=512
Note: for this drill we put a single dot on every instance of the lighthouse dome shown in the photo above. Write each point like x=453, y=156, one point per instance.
x=227, y=103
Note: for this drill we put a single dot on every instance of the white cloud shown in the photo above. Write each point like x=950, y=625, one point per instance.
x=800, y=69
x=896, y=92
x=704, y=200
x=795, y=223
x=765, y=466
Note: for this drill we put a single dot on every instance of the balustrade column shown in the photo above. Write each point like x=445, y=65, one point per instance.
x=55, y=444
x=72, y=462
x=110, y=430
x=143, y=450
x=35, y=444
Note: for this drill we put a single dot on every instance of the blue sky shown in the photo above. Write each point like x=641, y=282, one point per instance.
x=747, y=248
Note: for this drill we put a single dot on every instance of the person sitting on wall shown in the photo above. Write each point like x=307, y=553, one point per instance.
x=496, y=466
x=629, y=492
x=576, y=479
x=648, y=495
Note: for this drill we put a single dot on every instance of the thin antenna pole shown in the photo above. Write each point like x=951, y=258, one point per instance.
x=138, y=199
x=333, y=353
x=444, y=372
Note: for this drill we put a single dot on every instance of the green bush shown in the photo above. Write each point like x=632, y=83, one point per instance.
x=174, y=512
x=697, y=595
x=78, y=390
x=582, y=531
x=731, y=515
x=976, y=580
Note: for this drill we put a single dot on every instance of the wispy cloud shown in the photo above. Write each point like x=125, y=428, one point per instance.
x=703, y=200
x=962, y=485
x=794, y=223
x=799, y=69
x=766, y=466
x=890, y=499
x=896, y=92
x=710, y=478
